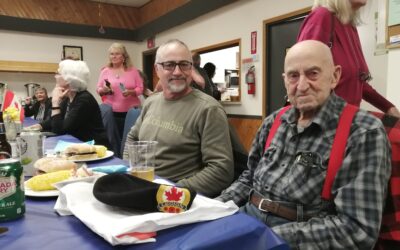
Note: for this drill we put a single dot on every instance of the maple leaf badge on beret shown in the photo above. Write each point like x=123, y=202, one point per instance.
x=130, y=192
x=171, y=199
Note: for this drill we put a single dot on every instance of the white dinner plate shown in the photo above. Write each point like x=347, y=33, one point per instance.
x=109, y=154
x=46, y=193
x=55, y=192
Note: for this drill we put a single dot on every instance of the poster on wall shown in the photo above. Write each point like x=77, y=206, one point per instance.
x=394, y=12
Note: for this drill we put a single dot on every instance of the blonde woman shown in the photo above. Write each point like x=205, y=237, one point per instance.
x=120, y=84
x=334, y=22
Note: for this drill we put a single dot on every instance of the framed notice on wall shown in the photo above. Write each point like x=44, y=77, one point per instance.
x=393, y=24
x=72, y=52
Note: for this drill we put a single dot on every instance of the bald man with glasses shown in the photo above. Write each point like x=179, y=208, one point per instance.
x=191, y=128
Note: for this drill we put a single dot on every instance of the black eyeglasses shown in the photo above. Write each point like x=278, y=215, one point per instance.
x=170, y=65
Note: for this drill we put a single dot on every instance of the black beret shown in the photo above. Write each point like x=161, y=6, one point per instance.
x=127, y=191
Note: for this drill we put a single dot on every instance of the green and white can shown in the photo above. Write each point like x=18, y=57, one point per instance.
x=12, y=194
x=30, y=145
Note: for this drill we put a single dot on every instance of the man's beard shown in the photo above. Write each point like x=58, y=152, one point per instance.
x=176, y=88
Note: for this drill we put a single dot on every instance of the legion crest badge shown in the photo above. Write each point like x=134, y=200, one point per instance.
x=172, y=199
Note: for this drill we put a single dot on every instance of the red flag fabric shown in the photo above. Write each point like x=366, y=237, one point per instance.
x=11, y=100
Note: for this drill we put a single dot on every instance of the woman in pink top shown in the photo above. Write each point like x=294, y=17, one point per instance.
x=120, y=84
x=334, y=22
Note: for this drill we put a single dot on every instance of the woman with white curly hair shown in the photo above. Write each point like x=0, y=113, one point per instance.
x=74, y=110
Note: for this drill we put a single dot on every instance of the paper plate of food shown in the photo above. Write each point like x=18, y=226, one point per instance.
x=45, y=193
x=82, y=152
x=53, y=170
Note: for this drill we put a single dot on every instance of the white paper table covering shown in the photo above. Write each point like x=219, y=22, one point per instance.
x=109, y=222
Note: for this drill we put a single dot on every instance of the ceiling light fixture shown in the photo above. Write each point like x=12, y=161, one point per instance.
x=101, y=29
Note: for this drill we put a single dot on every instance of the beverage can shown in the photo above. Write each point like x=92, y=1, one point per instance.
x=12, y=194
x=31, y=149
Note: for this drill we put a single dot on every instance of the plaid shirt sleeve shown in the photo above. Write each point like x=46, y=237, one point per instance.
x=359, y=190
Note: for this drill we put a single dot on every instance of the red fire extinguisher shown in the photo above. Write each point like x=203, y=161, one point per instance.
x=251, y=81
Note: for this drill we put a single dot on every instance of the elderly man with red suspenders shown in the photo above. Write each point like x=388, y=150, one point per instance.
x=318, y=170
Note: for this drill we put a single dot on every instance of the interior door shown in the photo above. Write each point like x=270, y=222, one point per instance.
x=281, y=35
x=149, y=57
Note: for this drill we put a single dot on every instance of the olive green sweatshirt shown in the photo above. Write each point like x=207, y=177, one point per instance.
x=194, y=148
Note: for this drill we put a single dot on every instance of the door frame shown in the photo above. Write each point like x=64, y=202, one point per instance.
x=266, y=24
x=225, y=45
x=148, y=60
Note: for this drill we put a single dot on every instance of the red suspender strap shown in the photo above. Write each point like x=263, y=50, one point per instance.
x=338, y=148
x=275, y=125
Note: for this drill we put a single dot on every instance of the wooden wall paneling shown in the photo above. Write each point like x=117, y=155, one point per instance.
x=246, y=128
x=156, y=8
x=73, y=11
x=81, y=17
x=127, y=17
x=87, y=12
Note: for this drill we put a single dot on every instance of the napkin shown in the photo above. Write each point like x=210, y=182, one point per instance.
x=119, y=226
x=109, y=169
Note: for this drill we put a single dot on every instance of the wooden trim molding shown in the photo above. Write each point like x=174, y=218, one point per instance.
x=218, y=46
x=30, y=67
x=255, y=117
x=246, y=128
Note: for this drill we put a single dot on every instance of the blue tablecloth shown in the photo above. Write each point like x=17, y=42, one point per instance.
x=42, y=228
x=29, y=121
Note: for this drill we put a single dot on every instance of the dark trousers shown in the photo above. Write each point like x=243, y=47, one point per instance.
x=120, y=121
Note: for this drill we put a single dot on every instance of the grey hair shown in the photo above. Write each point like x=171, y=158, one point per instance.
x=43, y=89
x=169, y=42
x=75, y=73
x=342, y=9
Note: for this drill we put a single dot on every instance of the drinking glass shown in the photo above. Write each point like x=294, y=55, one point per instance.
x=142, y=159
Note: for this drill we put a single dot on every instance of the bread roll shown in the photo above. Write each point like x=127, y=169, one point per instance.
x=54, y=164
x=81, y=152
x=80, y=148
x=83, y=157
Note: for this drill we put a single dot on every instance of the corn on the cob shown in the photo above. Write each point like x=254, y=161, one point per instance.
x=44, y=181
